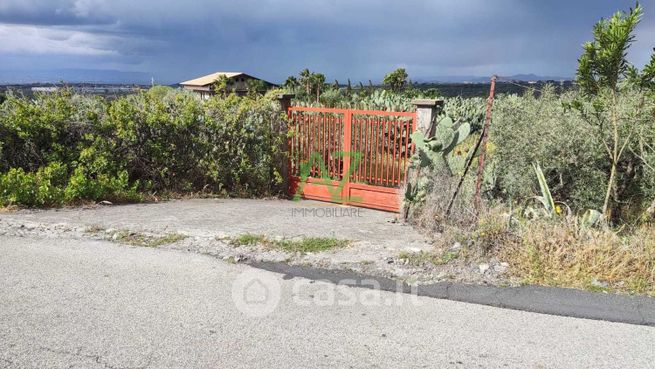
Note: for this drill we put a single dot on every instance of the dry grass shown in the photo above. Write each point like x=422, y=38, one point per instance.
x=432, y=215
x=144, y=240
x=553, y=252
x=560, y=253
x=8, y=209
x=136, y=238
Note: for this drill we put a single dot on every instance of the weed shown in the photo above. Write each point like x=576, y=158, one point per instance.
x=141, y=239
x=94, y=229
x=248, y=239
x=310, y=244
x=303, y=245
x=423, y=258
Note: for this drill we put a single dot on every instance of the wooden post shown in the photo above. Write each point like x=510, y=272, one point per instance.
x=483, y=147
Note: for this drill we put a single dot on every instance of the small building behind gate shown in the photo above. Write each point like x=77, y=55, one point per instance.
x=238, y=82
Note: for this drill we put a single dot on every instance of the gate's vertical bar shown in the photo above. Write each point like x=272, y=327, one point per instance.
x=346, y=151
x=353, y=148
x=367, y=149
x=395, y=153
x=336, y=139
x=360, y=148
x=371, y=174
x=380, y=159
x=408, y=149
x=301, y=138
x=305, y=133
x=357, y=148
x=319, y=144
x=357, y=142
x=324, y=156
x=292, y=142
x=310, y=143
x=387, y=123
x=330, y=130
x=363, y=150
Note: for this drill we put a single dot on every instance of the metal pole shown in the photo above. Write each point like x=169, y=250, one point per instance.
x=483, y=148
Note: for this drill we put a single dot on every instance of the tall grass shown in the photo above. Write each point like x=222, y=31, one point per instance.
x=561, y=252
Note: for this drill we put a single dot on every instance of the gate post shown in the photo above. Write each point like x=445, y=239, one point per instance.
x=426, y=123
x=285, y=101
x=282, y=129
x=426, y=114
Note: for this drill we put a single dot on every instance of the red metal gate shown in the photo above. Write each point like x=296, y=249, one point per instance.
x=354, y=157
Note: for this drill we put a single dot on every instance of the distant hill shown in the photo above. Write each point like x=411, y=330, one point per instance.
x=73, y=76
x=478, y=79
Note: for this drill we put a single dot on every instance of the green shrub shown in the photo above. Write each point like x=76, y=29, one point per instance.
x=529, y=129
x=82, y=186
x=48, y=128
x=41, y=188
x=61, y=148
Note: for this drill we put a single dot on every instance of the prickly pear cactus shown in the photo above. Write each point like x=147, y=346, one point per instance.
x=435, y=153
x=437, y=150
x=384, y=100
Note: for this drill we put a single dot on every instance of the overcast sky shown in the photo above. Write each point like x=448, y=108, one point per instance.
x=174, y=40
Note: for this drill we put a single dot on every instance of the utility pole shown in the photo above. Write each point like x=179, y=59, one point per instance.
x=483, y=148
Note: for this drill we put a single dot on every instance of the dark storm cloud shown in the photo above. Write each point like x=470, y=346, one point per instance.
x=175, y=40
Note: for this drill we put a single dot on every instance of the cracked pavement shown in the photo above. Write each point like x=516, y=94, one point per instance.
x=81, y=303
x=378, y=240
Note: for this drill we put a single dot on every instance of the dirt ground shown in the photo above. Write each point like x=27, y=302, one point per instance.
x=379, y=243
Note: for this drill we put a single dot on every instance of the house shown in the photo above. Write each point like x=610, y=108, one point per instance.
x=237, y=83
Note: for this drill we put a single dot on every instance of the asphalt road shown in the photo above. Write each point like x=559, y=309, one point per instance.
x=68, y=303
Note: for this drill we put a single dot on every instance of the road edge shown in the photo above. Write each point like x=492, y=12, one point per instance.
x=567, y=302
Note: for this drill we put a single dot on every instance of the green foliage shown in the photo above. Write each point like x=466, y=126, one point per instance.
x=603, y=62
x=223, y=85
x=471, y=110
x=82, y=185
x=312, y=85
x=303, y=245
x=311, y=244
x=435, y=154
x=42, y=188
x=256, y=86
x=396, y=80
x=291, y=84
x=64, y=148
x=528, y=129
x=383, y=100
x=546, y=199
x=591, y=218
x=601, y=71
x=331, y=98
